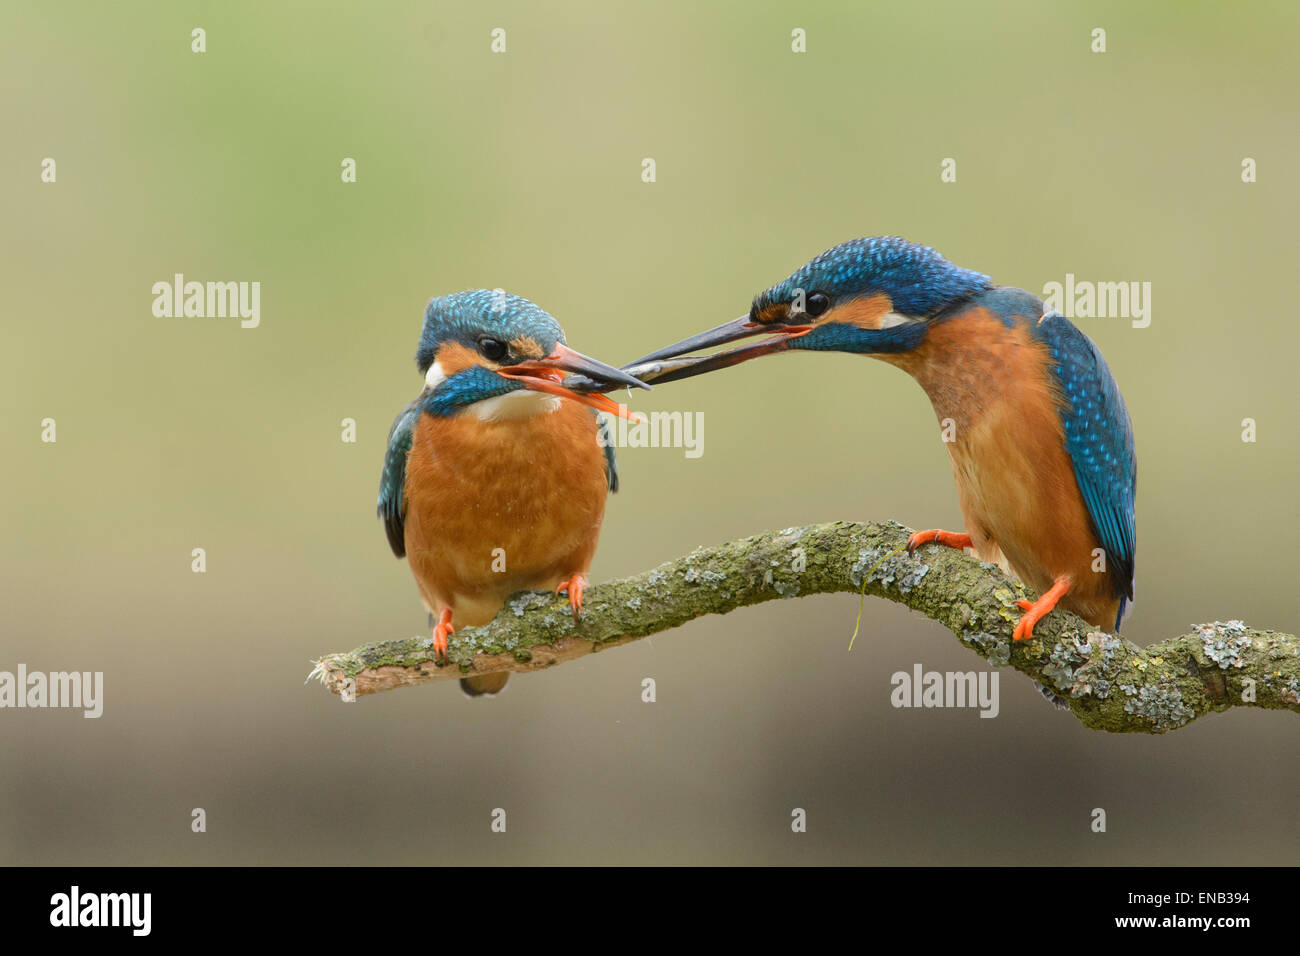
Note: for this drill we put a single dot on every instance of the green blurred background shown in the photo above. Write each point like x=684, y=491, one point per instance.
x=522, y=171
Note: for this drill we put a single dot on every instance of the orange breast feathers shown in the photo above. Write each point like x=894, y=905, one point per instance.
x=501, y=505
x=992, y=389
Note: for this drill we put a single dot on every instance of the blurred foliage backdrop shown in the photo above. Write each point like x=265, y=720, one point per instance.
x=522, y=170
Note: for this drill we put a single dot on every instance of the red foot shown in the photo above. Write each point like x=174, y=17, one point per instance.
x=1035, y=611
x=440, y=634
x=949, y=539
x=575, y=584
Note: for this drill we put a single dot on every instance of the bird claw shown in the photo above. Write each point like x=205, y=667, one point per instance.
x=1035, y=611
x=440, y=633
x=949, y=539
x=575, y=584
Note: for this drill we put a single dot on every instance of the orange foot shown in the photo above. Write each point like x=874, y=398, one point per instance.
x=440, y=634
x=949, y=539
x=1035, y=611
x=575, y=584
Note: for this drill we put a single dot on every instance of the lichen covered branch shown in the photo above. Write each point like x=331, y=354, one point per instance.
x=1106, y=681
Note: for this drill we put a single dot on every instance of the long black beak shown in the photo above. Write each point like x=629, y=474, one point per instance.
x=567, y=360
x=668, y=365
x=741, y=328
x=547, y=375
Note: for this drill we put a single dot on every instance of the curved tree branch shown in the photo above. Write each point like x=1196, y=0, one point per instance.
x=1106, y=681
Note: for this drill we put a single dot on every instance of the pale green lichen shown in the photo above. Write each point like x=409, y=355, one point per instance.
x=1082, y=665
x=896, y=569
x=1161, y=704
x=698, y=576
x=526, y=600
x=1008, y=610
x=1224, y=642
x=1290, y=693
x=1065, y=654
x=996, y=650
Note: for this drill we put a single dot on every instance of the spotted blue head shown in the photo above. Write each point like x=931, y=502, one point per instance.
x=870, y=296
x=486, y=346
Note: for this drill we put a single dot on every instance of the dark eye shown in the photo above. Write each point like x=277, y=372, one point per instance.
x=818, y=303
x=494, y=350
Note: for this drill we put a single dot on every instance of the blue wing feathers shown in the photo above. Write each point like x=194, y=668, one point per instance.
x=1099, y=439
x=392, y=483
x=607, y=443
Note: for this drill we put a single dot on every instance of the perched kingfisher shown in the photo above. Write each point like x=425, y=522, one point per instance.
x=1043, y=447
x=496, y=475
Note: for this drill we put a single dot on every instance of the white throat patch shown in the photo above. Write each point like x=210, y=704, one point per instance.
x=521, y=403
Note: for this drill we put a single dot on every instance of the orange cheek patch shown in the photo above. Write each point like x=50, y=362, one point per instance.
x=863, y=313
x=454, y=357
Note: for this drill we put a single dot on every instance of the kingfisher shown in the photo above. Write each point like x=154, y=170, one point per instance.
x=496, y=475
x=1042, y=444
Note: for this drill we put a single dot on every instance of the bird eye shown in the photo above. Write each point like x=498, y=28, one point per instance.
x=494, y=350
x=818, y=303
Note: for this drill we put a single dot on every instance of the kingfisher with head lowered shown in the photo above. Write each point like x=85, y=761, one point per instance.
x=1043, y=447
x=496, y=475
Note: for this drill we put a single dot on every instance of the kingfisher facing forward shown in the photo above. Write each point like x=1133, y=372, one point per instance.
x=1043, y=446
x=496, y=475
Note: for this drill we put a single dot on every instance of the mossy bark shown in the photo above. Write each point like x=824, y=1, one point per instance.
x=1106, y=681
